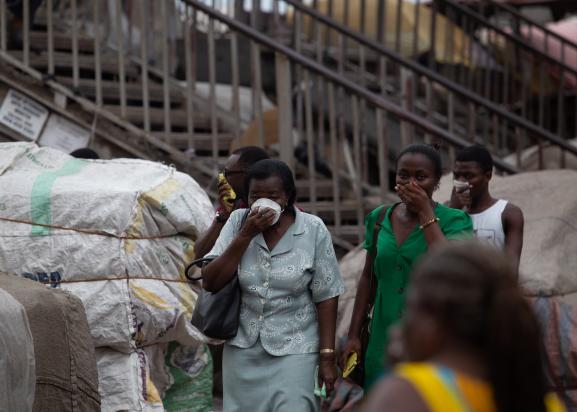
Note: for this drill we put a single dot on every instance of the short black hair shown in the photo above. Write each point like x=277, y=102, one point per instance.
x=478, y=154
x=430, y=151
x=249, y=155
x=271, y=167
x=85, y=153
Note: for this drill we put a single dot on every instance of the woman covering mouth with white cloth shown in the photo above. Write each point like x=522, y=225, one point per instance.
x=290, y=283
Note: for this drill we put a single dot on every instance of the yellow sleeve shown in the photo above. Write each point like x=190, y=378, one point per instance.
x=553, y=404
x=430, y=386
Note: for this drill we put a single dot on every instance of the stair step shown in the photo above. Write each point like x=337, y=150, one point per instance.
x=324, y=188
x=200, y=141
x=178, y=117
x=62, y=41
x=325, y=209
x=111, y=90
x=109, y=64
x=346, y=236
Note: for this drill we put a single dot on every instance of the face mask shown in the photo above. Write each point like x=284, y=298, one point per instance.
x=460, y=186
x=270, y=204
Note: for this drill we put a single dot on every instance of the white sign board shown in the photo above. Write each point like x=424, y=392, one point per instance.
x=23, y=115
x=64, y=135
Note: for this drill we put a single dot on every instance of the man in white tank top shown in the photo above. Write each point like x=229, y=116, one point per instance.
x=496, y=221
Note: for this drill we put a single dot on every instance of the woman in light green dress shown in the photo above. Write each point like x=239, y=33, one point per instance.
x=290, y=283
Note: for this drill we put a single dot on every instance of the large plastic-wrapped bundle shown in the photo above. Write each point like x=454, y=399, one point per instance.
x=118, y=234
x=66, y=375
x=17, y=374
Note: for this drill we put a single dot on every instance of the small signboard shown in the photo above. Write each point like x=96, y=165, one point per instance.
x=64, y=135
x=23, y=115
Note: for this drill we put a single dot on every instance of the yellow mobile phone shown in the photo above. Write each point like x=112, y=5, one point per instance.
x=352, y=362
x=231, y=197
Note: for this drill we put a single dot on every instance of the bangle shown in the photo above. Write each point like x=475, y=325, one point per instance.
x=327, y=351
x=429, y=223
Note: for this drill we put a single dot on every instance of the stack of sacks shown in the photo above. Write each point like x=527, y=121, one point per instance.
x=117, y=234
x=548, y=269
x=17, y=374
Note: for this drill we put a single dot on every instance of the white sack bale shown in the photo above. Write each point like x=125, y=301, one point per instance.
x=125, y=383
x=118, y=234
x=17, y=363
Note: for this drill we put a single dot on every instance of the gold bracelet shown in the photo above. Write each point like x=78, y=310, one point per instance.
x=429, y=223
x=323, y=351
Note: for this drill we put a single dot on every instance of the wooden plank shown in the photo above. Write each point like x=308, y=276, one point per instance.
x=324, y=189
x=85, y=62
x=135, y=115
x=325, y=210
x=201, y=141
x=61, y=41
x=111, y=90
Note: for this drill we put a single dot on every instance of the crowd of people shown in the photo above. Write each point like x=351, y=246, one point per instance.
x=449, y=327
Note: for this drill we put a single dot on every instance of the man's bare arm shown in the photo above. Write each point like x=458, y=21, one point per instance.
x=513, y=224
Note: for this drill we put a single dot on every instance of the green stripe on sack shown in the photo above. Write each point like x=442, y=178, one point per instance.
x=41, y=198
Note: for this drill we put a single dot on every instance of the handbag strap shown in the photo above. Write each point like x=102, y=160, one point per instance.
x=203, y=261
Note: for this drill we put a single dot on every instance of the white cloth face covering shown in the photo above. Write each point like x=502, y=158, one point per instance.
x=270, y=204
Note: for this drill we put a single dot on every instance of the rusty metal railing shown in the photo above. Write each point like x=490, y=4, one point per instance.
x=332, y=117
x=189, y=81
x=541, y=36
x=415, y=87
x=531, y=81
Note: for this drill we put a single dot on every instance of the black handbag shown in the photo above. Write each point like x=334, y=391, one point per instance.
x=216, y=314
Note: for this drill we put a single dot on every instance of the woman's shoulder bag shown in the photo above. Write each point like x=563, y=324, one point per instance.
x=216, y=314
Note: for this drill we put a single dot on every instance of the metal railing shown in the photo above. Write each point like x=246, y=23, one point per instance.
x=166, y=89
x=120, y=63
x=529, y=80
x=542, y=37
x=466, y=49
x=416, y=88
x=334, y=118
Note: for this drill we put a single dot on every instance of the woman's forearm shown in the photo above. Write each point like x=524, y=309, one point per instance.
x=220, y=271
x=434, y=236
x=205, y=243
x=327, y=318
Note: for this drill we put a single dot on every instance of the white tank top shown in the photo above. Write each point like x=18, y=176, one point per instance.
x=488, y=225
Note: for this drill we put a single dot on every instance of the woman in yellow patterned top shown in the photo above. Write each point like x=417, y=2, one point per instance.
x=470, y=340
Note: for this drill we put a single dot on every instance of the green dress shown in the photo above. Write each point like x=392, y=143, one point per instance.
x=392, y=268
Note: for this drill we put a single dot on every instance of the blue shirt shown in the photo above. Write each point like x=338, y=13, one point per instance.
x=279, y=288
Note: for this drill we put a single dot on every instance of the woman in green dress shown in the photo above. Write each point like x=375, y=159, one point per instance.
x=405, y=231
